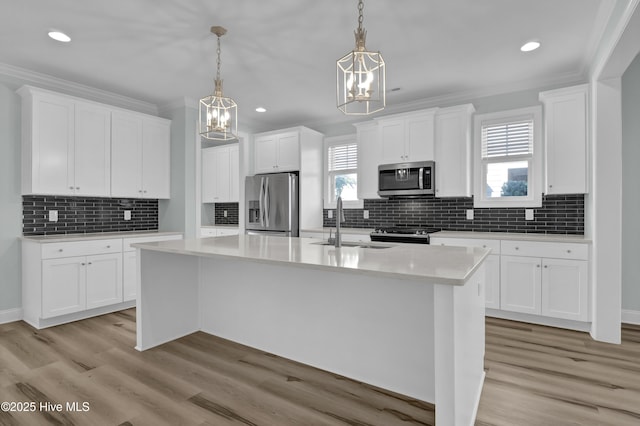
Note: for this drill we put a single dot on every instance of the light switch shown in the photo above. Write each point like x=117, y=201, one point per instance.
x=470, y=214
x=53, y=215
x=224, y=213
x=127, y=215
x=365, y=214
x=330, y=214
x=528, y=214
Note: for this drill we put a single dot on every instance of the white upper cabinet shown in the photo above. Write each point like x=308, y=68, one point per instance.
x=277, y=152
x=368, y=140
x=565, y=124
x=66, y=145
x=453, y=151
x=407, y=137
x=220, y=174
x=140, y=156
x=75, y=147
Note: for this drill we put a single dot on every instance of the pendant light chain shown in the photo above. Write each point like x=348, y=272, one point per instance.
x=360, y=14
x=218, y=52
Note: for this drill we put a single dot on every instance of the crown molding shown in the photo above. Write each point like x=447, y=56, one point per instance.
x=20, y=76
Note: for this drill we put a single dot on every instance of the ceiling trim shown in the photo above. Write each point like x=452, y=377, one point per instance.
x=45, y=81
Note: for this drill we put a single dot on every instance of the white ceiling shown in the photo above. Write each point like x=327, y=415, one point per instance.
x=281, y=54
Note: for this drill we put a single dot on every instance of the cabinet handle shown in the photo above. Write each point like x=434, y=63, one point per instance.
x=517, y=248
x=145, y=191
x=140, y=191
x=546, y=266
x=484, y=246
x=60, y=250
x=108, y=246
x=71, y=188
x=568, y=251
x=537, y=266
x=89, y=263
x=82, y=264
x=78, y=188
x=550, y=186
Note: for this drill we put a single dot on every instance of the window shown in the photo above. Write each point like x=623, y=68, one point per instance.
x=342, y=172
x=507, y=159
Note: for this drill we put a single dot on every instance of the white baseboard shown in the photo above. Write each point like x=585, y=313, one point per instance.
x=10, y=315
x=631, y=317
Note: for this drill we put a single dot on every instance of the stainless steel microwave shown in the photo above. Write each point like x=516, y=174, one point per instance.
x=406, y=179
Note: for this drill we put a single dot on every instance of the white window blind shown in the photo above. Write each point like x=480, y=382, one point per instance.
x=343, y=157
x=507, y=139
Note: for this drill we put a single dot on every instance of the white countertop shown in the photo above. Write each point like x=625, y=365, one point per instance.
x=552, y=238
x=429, y=264
x=94, y=236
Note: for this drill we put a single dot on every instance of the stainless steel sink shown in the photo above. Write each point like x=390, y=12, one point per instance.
x=354, y=244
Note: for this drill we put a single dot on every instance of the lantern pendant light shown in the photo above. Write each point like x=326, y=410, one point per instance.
x=218, y=114
x=360, y=77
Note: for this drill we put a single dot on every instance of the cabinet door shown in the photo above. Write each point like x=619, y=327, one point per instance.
x=92, y=150
x=234, y=174
x=566, y=140
x=368, y=161
x=63, y=286
x=420, y=138
x=492, y=280
x=126, y=155
x=208, y=175
x=453, y=154
x=265, y=151
x=104, y=279
x=392, y=141
x=520, y=281
x=565, y=289
x=222, y=175
x=129, y=275
x=53, y=153
x=156, y=141
x=288, y=152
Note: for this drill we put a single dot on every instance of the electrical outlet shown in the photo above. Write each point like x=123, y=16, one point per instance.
x=53, y=215
x=365, y=214
x=528, y=214
x=330, y=214
x=224, y=213
x=127, y=215
x=470, y=214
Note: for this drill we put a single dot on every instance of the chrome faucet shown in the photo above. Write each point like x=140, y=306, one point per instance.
x=339, y=219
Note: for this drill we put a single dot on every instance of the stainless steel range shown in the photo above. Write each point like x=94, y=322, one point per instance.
x=403, y=235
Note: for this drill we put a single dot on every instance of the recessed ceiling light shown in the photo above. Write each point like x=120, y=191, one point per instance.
x=529, y=46
x=261, y=109
x=59, y=36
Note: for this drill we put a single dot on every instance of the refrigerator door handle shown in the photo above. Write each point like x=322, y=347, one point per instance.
x=267, y=202
x=261, y=200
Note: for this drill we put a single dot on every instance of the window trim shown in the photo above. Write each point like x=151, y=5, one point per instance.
x=329, y=142
x=534, y=197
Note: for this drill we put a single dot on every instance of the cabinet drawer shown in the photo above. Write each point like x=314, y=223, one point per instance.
x=81, y=248
x=126, y=242
x=494, y=245
x=543, y=249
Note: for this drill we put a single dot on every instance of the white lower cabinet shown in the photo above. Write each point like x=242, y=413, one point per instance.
x=520, y=284
x=104, y=280
x=565, y=289
x=66, y=281
x=208, y=231
x=63, y=286
x=548, y=279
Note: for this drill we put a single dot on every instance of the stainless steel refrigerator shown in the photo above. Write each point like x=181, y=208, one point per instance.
x=271, y=203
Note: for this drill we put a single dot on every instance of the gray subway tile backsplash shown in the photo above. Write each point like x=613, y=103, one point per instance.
x=559, y=214
x=81, y=215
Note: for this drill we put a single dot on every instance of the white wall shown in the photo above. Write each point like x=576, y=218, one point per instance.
x=10, y=200
x=631, y=187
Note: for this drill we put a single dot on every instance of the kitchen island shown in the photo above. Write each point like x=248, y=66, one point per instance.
x=404, y=317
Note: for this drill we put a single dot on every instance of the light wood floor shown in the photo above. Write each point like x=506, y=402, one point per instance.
x=535, y=376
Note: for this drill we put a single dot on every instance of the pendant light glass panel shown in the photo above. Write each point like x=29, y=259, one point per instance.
x=361, y=83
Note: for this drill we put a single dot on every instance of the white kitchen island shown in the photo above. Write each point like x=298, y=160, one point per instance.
x=408, y=318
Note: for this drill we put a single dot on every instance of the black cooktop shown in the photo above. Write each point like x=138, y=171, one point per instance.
x=397, y=230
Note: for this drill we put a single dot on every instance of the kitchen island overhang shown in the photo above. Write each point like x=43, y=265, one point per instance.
x=405, y=318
